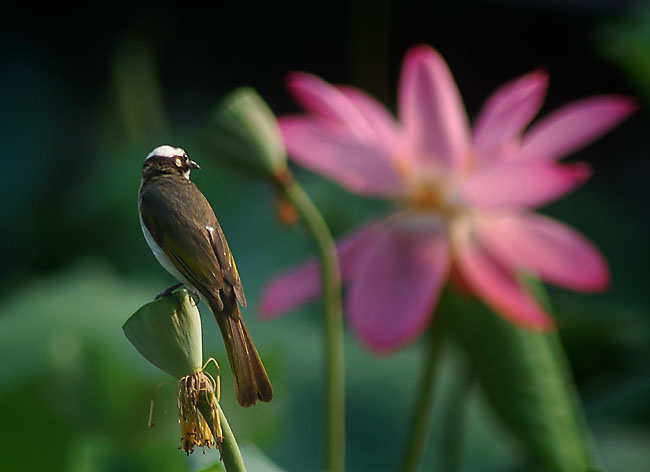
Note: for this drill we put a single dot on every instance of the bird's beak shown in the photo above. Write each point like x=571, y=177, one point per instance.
x=193, y=165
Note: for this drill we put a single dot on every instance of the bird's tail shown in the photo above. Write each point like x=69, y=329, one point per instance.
x=251, y=381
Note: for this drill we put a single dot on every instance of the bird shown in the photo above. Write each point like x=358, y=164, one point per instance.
x=186, y=238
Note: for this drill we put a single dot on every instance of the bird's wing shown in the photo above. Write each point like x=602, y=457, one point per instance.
x=179, y=232
x=227, y=262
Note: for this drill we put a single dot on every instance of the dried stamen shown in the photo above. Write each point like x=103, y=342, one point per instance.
x=195, y=429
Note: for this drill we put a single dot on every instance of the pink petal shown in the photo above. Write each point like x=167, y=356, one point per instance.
x=574, y=126
x=380, y=120
x=549, y=248
x=301, y=285
x=521, y=184
x=325, y=148
x=397, y=285
x=431, y=109
x=509, y=110
x=496, y=284
x=325, y=100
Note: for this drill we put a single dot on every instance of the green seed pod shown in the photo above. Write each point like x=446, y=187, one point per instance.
x=244, y=132
x=167, y=332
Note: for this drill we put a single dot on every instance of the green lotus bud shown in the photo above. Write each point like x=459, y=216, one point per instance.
x=244, y=132
x=167, y=332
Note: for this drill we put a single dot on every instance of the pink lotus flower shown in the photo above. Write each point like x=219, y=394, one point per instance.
x=465, y=196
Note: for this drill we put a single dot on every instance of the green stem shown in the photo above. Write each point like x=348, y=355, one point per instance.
x=332, y=307
x=451, y=445
x=230, y=453
x=422, y=415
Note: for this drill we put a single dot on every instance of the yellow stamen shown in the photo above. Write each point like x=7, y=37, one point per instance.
x=427, y=189
x=194, y=427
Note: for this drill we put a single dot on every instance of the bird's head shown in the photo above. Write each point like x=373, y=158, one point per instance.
x=167, y=159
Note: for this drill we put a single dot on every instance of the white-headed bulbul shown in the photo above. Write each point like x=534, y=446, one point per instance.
x=186, y=238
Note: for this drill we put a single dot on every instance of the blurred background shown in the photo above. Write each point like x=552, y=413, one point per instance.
x=85, y=94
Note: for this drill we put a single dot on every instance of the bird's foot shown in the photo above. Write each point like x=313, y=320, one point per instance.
x=168, y=292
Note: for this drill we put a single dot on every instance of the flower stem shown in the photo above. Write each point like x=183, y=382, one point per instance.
x=450, y=448
x=422, y=415
x=332, y=307
x=230, y=453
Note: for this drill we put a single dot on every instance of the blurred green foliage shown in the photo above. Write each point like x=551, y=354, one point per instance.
x=525, y=378
x=74, y=395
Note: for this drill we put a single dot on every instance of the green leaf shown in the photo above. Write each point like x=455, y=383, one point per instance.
x=526, y=379
x=167, y=332
x=244, y=132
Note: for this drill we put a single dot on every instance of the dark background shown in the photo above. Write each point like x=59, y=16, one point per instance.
x=86, y=93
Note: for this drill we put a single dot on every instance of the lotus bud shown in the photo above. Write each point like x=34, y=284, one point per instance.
x=244, y=132
x=167, y=332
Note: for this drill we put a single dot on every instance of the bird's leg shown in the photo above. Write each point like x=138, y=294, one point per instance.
x=168, y=291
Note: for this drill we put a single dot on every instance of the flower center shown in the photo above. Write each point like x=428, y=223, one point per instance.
x=428, y=189
x=427, y=196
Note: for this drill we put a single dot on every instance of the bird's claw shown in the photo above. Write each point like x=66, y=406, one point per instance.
x=168, y=292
